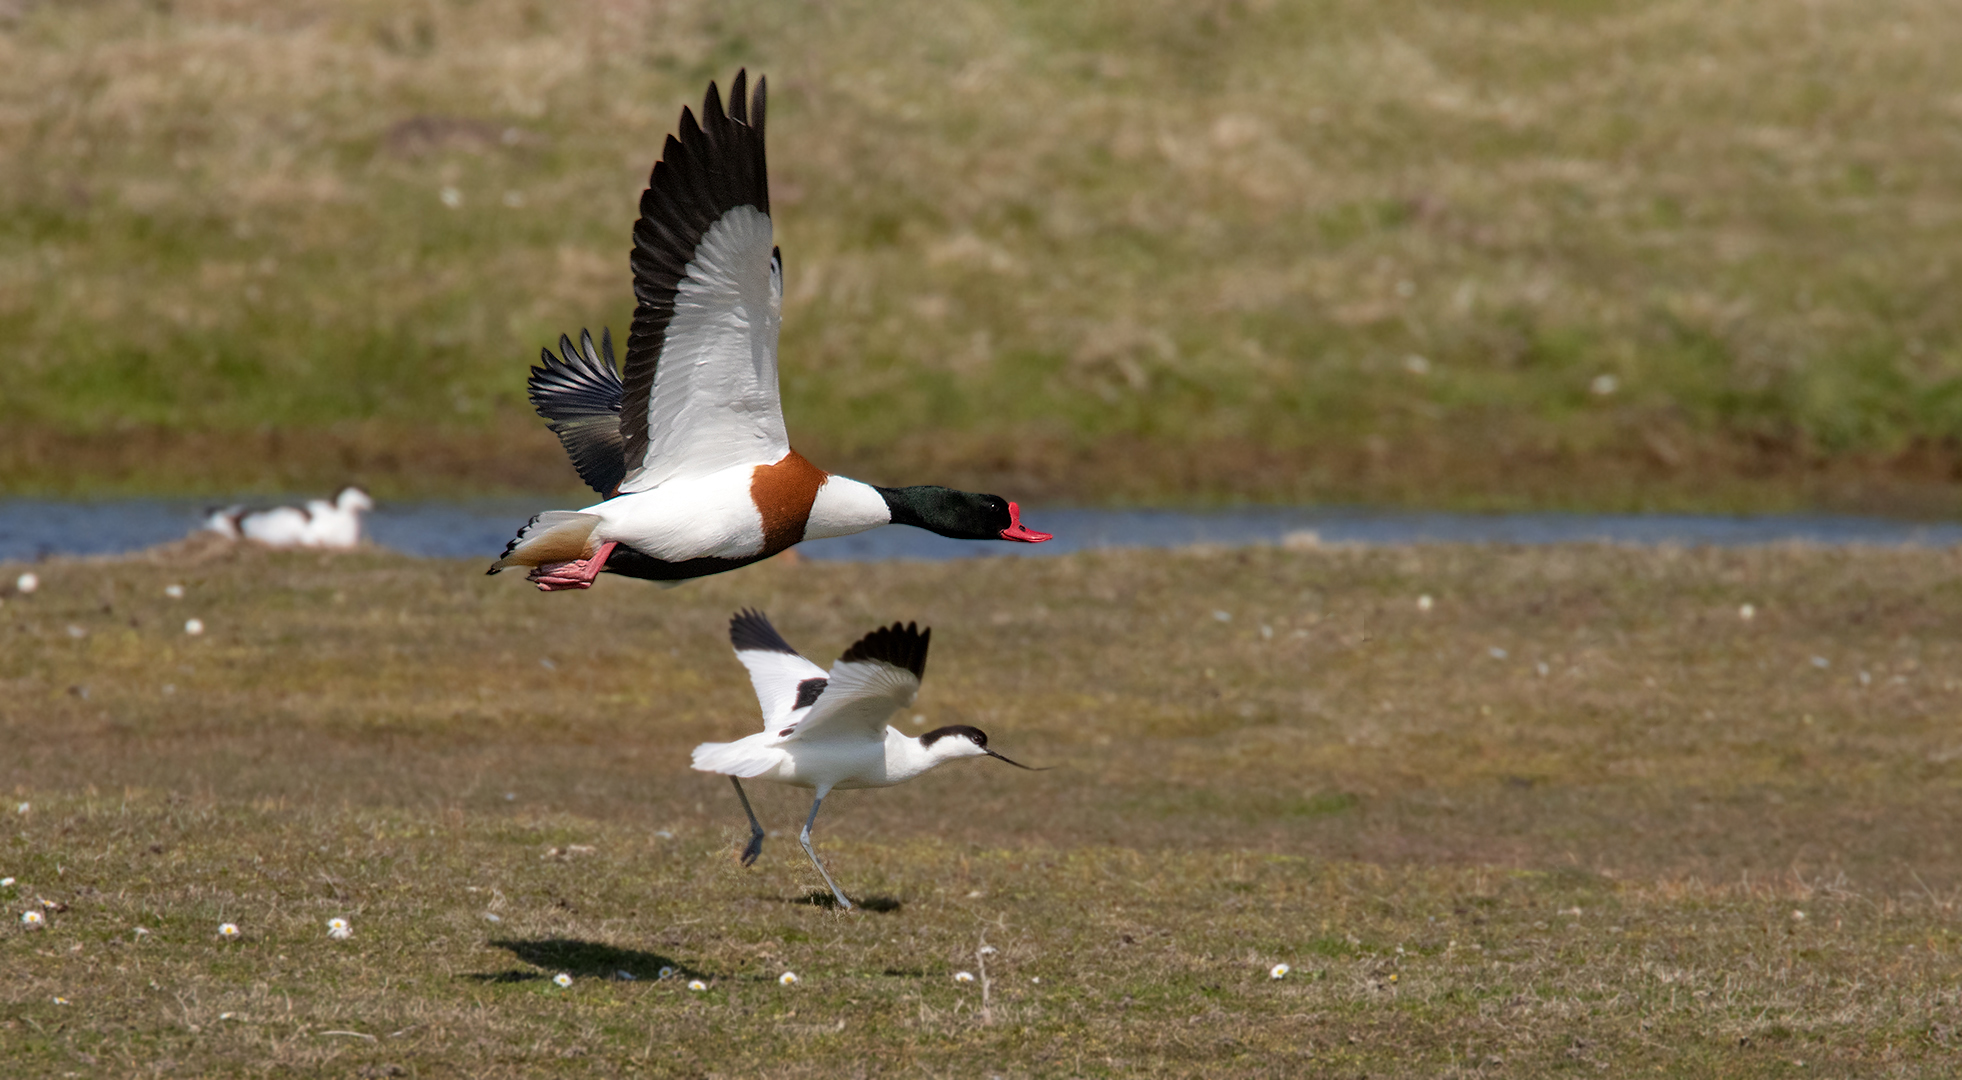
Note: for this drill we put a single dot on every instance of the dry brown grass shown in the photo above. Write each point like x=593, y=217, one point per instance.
x=1073, y=229
x=1475, y=865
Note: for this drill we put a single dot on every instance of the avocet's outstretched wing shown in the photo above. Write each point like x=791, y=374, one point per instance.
x=875, y=678
x=701, y=374
x=786, y=683
x=580, y=396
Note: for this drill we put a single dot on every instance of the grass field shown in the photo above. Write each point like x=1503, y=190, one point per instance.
x=1579, y=817
x=1614, y=253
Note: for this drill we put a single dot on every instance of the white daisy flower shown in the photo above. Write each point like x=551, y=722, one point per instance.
x=963, y=976
x=339, y=930
x=228, y=930
x=1425, y=603
x=32, y=919
x=1747, y=612
x=562, y=980
x=6, y=882
x=697, y=984
x=27, y=583
x=194, y=627
x=1278, y=971
x=24, y=807
x=665, y=973
x=175, y=592
x=61, y=1001
x=988, y=950
x=788, y=978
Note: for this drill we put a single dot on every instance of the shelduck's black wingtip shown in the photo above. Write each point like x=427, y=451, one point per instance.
x=579, y=395
x=750, y=629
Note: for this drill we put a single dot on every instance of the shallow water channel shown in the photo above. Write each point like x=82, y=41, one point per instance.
x=34, y=528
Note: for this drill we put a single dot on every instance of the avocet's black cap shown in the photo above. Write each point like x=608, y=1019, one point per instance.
x=972, y=734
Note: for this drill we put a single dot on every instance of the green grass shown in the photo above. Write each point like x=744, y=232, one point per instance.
x=1162, y=251
x=1586, y=856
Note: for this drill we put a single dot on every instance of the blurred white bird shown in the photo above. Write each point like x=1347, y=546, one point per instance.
x=828, y=730
x=318, y=524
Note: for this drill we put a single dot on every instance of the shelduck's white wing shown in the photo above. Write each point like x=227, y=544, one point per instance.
x=786, y=683
x=875, y=678
x=701, y=372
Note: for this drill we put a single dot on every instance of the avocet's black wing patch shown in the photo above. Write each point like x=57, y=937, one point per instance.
x=808, y=691
x=580, y=396
x=701, y=372
x=876, y=677
x=781, y=676
x=901, y=646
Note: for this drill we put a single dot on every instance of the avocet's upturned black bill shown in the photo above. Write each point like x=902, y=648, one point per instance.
x=827, y=729
x=687, y=446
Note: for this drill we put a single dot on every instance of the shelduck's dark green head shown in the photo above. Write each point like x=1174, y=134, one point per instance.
x=962, y=515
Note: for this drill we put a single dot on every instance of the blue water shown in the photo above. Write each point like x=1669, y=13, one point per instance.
x=31, y=528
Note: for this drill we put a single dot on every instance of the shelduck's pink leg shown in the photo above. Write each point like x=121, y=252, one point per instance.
x=577, y=574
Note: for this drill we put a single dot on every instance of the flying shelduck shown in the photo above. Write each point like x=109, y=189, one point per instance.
x=687, y=445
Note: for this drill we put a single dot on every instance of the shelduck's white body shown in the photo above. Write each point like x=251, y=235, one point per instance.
x=717, y=516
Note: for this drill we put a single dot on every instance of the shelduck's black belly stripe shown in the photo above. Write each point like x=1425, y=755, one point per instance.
x=710, y=169
x=627, y=562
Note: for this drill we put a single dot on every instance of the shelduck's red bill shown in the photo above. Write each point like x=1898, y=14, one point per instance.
x=1018, y=531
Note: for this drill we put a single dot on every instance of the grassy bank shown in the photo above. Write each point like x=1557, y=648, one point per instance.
x=1580, y=814
x=1612, y=254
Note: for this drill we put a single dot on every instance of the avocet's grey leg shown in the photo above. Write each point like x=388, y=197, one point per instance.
x=805, y=839
x=755, y=847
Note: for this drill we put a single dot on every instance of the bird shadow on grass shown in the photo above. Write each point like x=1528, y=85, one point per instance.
x=589, y=959
x=819, y=898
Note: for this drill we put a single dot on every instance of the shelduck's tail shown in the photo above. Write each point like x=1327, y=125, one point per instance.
x=554, y=536
x=742, y=758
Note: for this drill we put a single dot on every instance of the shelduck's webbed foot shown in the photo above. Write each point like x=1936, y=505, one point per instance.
x=573, y=574
x=753, y=848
